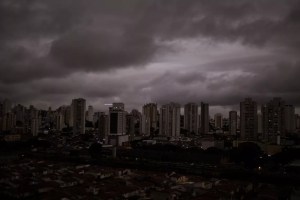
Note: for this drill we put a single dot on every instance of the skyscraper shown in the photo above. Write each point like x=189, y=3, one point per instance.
x=170, y=120
x=59, y=120
x=134, y=120
x=204, y=118
x=218, y=121
x=233, y=118
x=35, y=120
x=149, y=118
x=117, y=125
x=273, y=117
x=248, y=111
x=90, y=113
x=289, y=122
x=78, y=109
x=102, y=120
x=117, y=119
x=191, y=119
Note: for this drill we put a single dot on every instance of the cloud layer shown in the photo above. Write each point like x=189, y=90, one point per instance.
x=140, y=51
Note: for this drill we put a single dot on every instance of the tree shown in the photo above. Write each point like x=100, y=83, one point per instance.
x=95, y=150
x=249, y=153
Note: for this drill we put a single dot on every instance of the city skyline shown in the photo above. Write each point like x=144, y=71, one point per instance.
x=212, y=111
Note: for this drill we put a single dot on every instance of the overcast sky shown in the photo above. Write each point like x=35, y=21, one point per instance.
x=139, y=51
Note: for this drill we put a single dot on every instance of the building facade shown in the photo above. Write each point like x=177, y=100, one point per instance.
x=204, y=118
x=78, y=109
x=170, y=120
x=149, y=118
x=233, y=120
x=272, y=119
x=248, y=112
x=191, y=118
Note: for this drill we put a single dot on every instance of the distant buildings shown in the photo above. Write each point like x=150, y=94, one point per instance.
x=204, y=118
x=78, y=109
x=191, y=118
x=170, y=120
x=248, y=112
x=149, y=118
x=233, y=120
x=115, y=126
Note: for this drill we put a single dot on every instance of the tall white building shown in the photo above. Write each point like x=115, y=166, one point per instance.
x=78, y=108
x=191, y=117
x=149, y=118
x=170, y=120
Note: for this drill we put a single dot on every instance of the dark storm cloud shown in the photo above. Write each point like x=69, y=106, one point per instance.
x=102, y=51
x=50, y=40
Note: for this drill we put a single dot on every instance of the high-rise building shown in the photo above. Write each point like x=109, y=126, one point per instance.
x=204, y=118
x=248, y=112
x=134, y=121
x=102, y=120
x=118, y=106
x=90, y=113
x=19, y=111
x=289, y=120
x=78, y=108
x=233, y=118
x=170, y=120
x=117, y=125
x=218, y=121
x=117, y=119
x=59, y=120
x=35, y=121
x=273, y=117
x=149, y=118
x=191, y=119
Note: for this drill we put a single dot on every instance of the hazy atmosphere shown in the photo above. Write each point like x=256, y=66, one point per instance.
x=149, y=51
